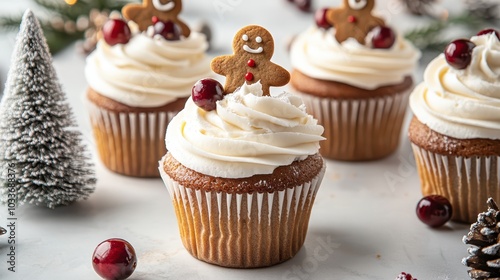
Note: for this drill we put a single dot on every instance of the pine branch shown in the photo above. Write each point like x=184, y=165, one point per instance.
x=111, y=4
x=10, y=23
x=58, y=39
x=56, y=6
x=431, y=36
x=66, y=11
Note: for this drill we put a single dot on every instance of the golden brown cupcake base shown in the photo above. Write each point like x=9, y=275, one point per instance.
x=358, y=130
x=283, y=177
x=117, y=107
x=338, y=90
x=426, y=138
x=359, y=124
x=130, y=140
x=243, y=228
x=467, y=172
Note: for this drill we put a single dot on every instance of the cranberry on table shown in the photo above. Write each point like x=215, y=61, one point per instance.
x=206, y=92
x=405, y=276
x=114, y=259
x=434, y=210
x=304, y=5
x=320, y=18
x=116, y=31
x=167, y=29
x=458, y=53
x=488, y=31
x=383, y=37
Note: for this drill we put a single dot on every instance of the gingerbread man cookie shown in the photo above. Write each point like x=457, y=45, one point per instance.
x=164, y=10
x=354, y=19
x=253, y=48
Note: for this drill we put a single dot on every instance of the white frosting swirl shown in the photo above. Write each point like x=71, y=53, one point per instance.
x=463, y=104
x=247, y=134
x=148, y=72
x=319, y=55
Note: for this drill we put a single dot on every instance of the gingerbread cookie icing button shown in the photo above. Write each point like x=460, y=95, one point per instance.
x=253, y=48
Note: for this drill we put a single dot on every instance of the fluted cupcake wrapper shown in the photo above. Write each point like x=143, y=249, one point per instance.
x=130, y=143
x=359, y=129
x=466, y=181
x=243, y=230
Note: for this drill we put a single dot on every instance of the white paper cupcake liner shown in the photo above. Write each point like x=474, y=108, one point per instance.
x=466, y=181
x=243, y=230
x=359, y=129
x=130, y=143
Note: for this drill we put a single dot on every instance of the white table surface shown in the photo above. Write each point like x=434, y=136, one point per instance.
x=368, y=220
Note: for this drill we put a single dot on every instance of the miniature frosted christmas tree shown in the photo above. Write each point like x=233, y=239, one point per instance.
x=484, y=257
x=39, y=140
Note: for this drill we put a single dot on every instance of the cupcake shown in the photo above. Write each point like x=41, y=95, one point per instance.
x=138, y=80
x=243, y=169
x=355, y=78
x=455, y=132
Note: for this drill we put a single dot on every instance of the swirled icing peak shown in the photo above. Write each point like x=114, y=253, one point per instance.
x=148, y=72
x=319, y=55
x=463, y=104
x=247, y=134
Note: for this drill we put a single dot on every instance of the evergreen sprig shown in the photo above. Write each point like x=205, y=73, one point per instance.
x=432, y=36
x=60, y=39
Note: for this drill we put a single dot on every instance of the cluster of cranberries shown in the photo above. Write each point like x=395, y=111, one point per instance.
x=405, y=276
x=382, y=37
x=114, y=259
x=167, y=29
x=117, y=31
x=458, y=53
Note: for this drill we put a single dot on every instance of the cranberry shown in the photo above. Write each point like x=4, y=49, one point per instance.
x=405, y=276
x=116, y=31
x=206, y=92
x=114, y=259
x=304, y=5
x=434, y=210
x=383, y=37
x=168, y=30
x=458, y=53
x=320, y=17
x=488, y=31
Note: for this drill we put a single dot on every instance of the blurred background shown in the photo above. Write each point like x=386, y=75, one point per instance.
x=76, y=23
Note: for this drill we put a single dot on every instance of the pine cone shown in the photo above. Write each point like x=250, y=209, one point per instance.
x=484, y=256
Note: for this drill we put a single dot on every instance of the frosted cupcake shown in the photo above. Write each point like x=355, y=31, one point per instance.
x=243, y=171
x=456, y=129
x=355, y=78
x=138, y=80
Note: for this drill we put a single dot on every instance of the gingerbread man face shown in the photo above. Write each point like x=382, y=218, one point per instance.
x=360, y=5
x=353, y=20
x=253, y=48
x=165, y=10
x=252, y=41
